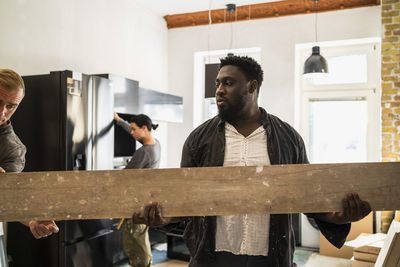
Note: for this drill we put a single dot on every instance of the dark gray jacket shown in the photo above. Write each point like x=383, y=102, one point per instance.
x=205, y=146
x=12, y=150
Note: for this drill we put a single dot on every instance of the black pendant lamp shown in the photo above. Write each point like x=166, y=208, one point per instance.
x=315, y=63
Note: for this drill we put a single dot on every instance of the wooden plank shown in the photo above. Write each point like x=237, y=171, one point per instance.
x=262, y=11
x=197, y=191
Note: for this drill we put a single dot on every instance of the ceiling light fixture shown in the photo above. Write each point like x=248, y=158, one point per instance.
x=231, y=8
x=315, y=63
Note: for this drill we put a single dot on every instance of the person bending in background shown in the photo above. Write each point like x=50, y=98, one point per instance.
x=12, y=150
x=244, y=134
x=135, y=236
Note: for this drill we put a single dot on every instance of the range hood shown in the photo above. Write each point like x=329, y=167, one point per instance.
x=129, y=98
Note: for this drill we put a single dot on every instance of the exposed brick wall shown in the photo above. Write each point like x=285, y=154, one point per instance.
x=390, y=80
x=390, y=89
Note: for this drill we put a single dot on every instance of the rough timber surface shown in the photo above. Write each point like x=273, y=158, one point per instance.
x=207, y=191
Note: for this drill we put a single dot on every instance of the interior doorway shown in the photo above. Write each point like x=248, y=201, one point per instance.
x=338, y=114
x=204, y=105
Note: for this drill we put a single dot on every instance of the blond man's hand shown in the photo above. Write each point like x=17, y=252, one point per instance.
x=41, y=229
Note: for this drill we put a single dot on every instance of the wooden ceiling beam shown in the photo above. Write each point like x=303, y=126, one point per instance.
x=261, y=11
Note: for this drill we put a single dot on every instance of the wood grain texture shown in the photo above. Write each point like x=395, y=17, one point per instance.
x=261, y=11
x=196, y=191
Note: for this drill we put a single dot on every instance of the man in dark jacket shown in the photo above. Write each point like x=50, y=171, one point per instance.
x=12, y=150
x=243, y=134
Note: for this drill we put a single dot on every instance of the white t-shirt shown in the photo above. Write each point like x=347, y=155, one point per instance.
x=246, y=234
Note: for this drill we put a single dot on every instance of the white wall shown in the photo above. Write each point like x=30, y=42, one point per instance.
x=90, y=36
x=277, y=38
x=125, y=38
x=120, y=37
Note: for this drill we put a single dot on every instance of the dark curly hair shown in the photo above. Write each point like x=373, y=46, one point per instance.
x=248, y=65
x=141, y=120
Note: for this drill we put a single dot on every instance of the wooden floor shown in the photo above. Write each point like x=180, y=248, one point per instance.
x=315, y=260
x=303, y=258
x=172, y=263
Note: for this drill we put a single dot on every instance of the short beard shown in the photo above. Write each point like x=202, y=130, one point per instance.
x=228, y=115
x=232, y=110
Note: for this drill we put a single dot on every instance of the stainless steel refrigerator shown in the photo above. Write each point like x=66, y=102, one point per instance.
x=66, y=123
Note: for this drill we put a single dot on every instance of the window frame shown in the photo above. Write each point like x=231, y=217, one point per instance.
x=373, y=141
x=370, y=90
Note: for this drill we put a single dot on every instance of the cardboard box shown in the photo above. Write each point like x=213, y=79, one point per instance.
x=397, y=216
x=373, y=248
x=361, y=256
x=368, y=244
x=365, y=240
x=363, y=226
x=356, y=263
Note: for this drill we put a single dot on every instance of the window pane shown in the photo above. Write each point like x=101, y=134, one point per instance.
x=342, y=70
x=338, y=131
x=210, y=108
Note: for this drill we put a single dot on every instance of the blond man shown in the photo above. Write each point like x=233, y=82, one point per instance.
x=12, y=150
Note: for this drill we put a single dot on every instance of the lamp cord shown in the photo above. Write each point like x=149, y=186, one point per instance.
x=316, y=20
x=249, y=11
x=230, y=18
x=209, y=29
x=231, y=35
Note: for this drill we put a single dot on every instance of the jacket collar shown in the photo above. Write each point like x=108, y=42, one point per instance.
x=265, y=121
x=5, y=128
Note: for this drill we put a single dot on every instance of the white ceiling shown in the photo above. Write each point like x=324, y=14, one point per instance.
x=170, y=7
